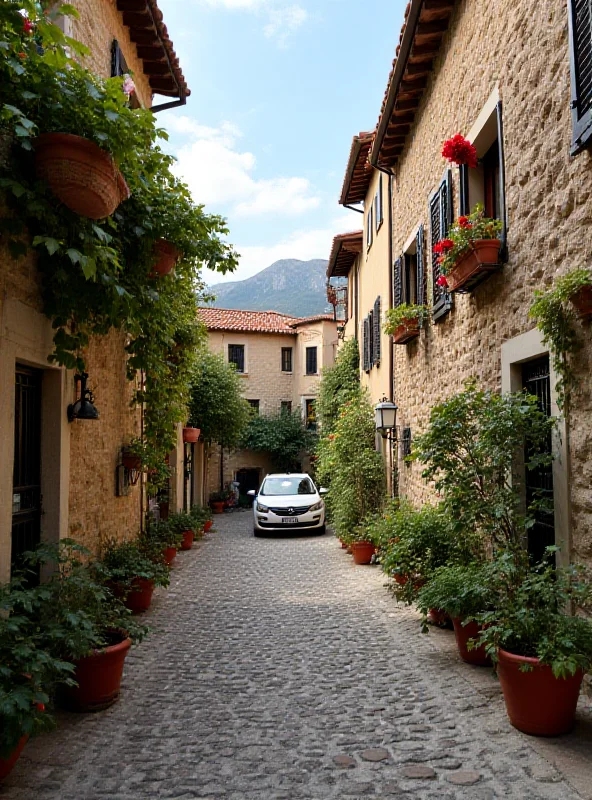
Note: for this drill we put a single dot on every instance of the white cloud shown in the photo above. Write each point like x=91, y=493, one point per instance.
x=282, y=20
x=217, y=172
x=301, y=244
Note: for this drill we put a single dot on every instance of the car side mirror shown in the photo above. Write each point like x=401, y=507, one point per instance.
x=252, y=493
x=323, y=491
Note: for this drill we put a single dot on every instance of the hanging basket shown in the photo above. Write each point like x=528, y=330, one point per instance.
x=166, y=256
x=80, y=174
x=474, y=265
x=582, y=301
x=191, y=435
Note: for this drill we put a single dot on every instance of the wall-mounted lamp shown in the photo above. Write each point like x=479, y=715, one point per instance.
x=385, y=417
x=84, y=407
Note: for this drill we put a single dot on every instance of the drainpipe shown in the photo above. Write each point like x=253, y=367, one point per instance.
x=173, y=104
x=353, y=208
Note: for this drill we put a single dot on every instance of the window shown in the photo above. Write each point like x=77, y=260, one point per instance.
x=406, y=443
x=376, y=333
x=441, y=215
x=236, y=356
x=378, y=212
x=409, y=273
x=119, y=68
x=371, y=338
x=311, y=360
x=369, y=229
x=286, y=407
x=254, y=406
x=580, y=46
x=286, y=359
x=310, y=414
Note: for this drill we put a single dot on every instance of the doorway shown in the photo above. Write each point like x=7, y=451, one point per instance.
x=247, y=479
x=26, y=482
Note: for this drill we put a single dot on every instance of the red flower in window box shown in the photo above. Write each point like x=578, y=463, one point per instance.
x=475, y=251
x=459, y=150
x=442, y=282
x=443, y=246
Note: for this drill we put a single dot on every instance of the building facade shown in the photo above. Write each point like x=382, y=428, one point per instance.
x=60, y=478
x=511, y=78
x=279, y=359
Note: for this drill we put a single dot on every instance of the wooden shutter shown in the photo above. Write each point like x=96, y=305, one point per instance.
x=441, y=217
x=398, y=282
x=376, y=334
x=580, y=41
x=421, y=281
x=366, y=344
x=118, y=64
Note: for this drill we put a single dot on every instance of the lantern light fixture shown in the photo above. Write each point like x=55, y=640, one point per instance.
x=385, y=416
x=84, y=407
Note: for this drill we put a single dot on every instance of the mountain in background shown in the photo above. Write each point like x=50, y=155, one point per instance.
x=288, y=286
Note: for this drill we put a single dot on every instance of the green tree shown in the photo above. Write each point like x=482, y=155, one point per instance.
x=216, y=405
x=283, y=437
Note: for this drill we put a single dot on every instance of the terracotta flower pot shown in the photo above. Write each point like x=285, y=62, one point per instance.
x=188, y=537
x=80, y=174
x=217, y=507
x=400, y=578
x=537, y=702
x=140, y=596
x=362, y=552
x=583, y=301
x=99, y=679
x=343, y=545
x=207, y=525
x=406, y=332
x=131, y=461
x=169, y=554
x=166, y=255
x=463, y=633
x=438, y=617
x=191, y=434
x=472, y=266
x=6, y=764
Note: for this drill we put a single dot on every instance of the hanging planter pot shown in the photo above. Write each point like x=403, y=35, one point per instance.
x=191, y=435
x=166, y=256
x=362, y=552
x=188, y=537
x=80, y=174
x=474, y=264
x=537, y=702
x=7, y=764
x=130, y=460
x=406, y=332
x=463, y=633
x=98, y=677
x=582, y=301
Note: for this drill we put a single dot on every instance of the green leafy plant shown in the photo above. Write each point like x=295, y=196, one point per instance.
x=157, y=537
x=462, y=590
x=339, y=383
x=28, y=671
x=219, y=497
x=462, y=234
x=555, y=318
x=407, y=315
x=531, y=614
x=182, y=521
x=470, y=450
x=121, y=562
x=283, y=437
x=199, y=516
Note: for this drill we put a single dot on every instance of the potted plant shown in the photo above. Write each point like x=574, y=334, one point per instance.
x=166, y=256
x=83, y=623
x=130, y=573
x=541, y=652
x=191, y=435
x=403, y=322
x=184, y=524
x=462, y=591
x=555, y=311
x=362, y=546
x=471, y=250
x=160, y=541
x=217, y=500
x=28, y=672
x=131, y=458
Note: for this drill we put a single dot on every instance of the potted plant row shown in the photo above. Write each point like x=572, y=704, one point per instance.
x=405, y=321
x=218, y=500
x=131, y=574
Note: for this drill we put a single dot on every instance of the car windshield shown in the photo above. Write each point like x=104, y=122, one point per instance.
x=286, y=486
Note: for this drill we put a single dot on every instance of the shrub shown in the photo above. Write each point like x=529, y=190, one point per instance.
x=283, y=437
x=121, y=562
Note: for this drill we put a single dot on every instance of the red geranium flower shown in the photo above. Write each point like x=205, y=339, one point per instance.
x=464, y=222
x=443, y=246
x=459, y=150
x=442, y=282
x=27, y=25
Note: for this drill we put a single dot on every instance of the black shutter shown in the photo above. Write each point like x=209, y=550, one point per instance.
x=441, y=217
x=118, y=65
x=370, y=340
x=398, y=282
x=464, y=202
x=366, y=344
x=376, y=337
x=502, y=184
x=421, y=282
x=580, y=42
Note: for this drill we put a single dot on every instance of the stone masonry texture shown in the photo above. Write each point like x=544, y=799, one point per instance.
x=278, y=670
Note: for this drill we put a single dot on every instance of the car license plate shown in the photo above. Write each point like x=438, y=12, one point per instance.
x=289, y=520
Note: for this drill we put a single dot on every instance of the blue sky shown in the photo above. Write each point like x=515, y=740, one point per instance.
x=278, y=89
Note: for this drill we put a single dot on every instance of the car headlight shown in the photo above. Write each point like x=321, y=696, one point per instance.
x=264, y=509
x=317, y=506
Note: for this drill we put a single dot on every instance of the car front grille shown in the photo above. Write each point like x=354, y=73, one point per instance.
x=287, y=527
x=284, y=512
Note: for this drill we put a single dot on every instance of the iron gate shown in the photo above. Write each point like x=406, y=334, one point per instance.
x=26, y=492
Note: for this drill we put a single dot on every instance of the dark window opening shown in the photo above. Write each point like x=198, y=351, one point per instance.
x=236, y=356
x=286, y=407
x=491, y=182
x=254, y=406
x=311, y=360
x=311, y=415
x=286, y=359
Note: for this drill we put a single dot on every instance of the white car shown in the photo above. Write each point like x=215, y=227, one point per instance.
x=288, y=502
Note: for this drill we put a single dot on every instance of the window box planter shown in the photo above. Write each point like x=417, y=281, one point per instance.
x=80, y=174
x=463, y=633
x=166, y=256
x=537, y=702
x=474, y=265
x=191, y=435
x=7, y=764
x=362, y=552
x=582, y=301
x=98, y=676
x=406, y=332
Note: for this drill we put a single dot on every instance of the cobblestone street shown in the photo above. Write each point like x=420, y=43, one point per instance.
x=277, y=670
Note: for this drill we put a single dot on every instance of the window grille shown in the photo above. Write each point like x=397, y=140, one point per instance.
x=580, y=39
x=236, y=356
x=406, y=442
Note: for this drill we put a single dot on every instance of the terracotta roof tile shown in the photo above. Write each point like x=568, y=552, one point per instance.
x=231, y=319
x=316, y=318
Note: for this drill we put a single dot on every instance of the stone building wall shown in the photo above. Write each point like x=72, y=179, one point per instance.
x=520, y=50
